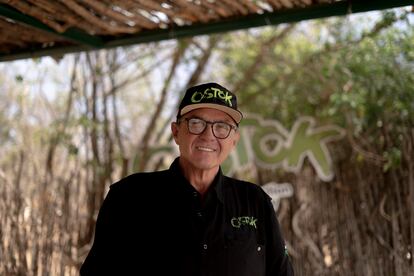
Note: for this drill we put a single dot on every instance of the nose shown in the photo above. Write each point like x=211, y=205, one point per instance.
x=208, y=132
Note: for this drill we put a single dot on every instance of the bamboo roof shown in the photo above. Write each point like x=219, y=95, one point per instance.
x=33, y=28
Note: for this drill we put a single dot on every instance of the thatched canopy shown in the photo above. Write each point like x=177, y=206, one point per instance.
x=30, y=28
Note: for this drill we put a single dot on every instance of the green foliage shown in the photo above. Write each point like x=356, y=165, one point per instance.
x=392, y=158
x=360, y=77
x=378, y=82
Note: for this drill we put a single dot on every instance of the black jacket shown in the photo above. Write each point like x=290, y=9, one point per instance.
x=156, y=224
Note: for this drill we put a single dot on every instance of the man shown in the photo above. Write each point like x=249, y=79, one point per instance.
x=191, y=219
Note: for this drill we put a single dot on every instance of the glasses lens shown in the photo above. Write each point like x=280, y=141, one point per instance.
x=221, y=130
x=196, y=126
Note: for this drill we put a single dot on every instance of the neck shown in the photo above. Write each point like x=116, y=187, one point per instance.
x=200, y=179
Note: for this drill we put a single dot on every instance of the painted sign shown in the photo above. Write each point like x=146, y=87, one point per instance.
x=269, y=145
x=277, y=191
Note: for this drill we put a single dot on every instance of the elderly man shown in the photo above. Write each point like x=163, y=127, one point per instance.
x=191, y=219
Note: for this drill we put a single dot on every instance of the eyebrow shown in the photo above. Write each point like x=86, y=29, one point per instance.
x=230, y=122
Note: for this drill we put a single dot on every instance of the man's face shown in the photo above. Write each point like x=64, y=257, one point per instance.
x=204, y=151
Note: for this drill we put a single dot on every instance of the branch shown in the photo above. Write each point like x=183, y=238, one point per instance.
x=260, y=58
x=151, y=126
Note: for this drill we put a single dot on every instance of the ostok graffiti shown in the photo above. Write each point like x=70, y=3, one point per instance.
x=268, y=144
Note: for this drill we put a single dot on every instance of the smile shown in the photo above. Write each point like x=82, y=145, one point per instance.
x=205, y=149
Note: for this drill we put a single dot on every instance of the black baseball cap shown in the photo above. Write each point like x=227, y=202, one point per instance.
x=210, y=95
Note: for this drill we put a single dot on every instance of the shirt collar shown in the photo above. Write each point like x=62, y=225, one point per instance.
x=217, y=184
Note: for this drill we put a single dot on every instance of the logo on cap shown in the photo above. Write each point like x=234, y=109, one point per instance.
x=210, y=95
x=212, y=92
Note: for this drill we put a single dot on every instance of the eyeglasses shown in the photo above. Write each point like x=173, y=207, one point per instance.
x=221, y=130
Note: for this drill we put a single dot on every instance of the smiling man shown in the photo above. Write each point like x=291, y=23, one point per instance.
x=191, y=219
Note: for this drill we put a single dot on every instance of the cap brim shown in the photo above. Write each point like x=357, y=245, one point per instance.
x=235, y=114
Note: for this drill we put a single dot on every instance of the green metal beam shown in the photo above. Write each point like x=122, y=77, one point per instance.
x=290, y=15
x=72, y=35
x=287, y=16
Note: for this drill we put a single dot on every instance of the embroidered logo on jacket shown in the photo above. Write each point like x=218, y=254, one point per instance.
x=237, y=222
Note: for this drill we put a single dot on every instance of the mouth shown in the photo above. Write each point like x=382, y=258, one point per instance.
x=206, y=149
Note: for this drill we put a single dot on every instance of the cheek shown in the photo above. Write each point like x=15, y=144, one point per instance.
x=179, y=140
x=180, y=136
x=184, y=141
x=226, y=148
x=176, y=140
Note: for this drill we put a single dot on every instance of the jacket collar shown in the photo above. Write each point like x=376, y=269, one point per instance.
x=216, y=186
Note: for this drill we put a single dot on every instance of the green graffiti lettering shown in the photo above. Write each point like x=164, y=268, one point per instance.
x=310, y=142
x=211, y=93
x=265, y=151
x=269, y=145
x=218, y=92
x=227, y=98
x=303, y=141
x=208, y=94
x=197, y=97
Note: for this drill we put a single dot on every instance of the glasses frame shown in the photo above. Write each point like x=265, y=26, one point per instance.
x=232, y=127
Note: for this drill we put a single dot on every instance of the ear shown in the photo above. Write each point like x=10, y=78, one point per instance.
x=174, y=131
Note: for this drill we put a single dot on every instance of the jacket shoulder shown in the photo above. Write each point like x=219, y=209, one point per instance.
x=139, y=181
x=245, y=187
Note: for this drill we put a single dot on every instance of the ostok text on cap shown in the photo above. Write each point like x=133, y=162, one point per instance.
x=212, y=93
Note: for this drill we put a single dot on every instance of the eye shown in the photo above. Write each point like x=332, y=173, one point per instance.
x=196, y=126
x=196, y=122
x=222, y=126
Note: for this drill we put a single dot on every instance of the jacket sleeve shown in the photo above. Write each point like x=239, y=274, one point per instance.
x=278, y=262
